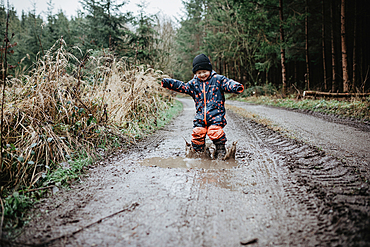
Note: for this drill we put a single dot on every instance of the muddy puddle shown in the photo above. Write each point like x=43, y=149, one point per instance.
x=189, y=163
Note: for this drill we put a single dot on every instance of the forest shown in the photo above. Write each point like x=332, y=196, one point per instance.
x=101, y=26
x=311, y=44
x=289, y=44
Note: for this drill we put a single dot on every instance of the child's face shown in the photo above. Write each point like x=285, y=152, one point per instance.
x=203, y=74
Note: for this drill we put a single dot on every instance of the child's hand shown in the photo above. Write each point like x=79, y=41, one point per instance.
x=240, y=88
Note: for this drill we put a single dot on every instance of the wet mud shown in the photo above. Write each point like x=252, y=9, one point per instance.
x=189, y=163
x=277, y=192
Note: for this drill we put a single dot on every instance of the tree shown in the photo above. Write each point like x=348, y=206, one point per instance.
x=104, y=25
x=354, y=62
x=188, y=38
x=143, y=39
x=165, y=34
x=30, y=38
x=323, y=45
x=13, y=30
x=333, y=57
x=307, y=77
x=57, y=26
x=344, y=46
x=282, y=50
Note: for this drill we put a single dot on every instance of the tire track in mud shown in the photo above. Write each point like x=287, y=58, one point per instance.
x=297, y=210
x=344, y=200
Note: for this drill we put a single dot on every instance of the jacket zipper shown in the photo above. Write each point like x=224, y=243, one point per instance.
x=205, y=102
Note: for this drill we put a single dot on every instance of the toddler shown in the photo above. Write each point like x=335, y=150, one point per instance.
x=207, y=88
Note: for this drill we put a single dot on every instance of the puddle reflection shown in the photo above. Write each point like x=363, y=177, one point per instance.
x=179, y=162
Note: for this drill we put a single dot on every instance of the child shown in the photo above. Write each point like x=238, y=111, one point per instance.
x=207, y=89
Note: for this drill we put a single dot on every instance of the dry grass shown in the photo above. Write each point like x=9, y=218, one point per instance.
x=65, y=106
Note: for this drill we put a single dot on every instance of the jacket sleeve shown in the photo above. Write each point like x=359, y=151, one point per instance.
x=176, y=85
x=231, y=86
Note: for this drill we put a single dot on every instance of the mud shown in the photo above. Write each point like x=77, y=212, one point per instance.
x=343, y=138
x=277, y=192
x=189, y=163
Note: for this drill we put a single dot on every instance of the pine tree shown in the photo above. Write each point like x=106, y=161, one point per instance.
x=188, y=39
x=143, y=39
x=104, y=25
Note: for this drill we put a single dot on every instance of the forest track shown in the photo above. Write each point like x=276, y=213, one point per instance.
x=341, y=188
x=280, y=192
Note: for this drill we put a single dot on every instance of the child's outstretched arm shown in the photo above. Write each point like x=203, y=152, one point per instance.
x=176, y=85
x=229, y=85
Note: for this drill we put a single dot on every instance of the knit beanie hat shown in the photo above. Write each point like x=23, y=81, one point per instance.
x=201, y=62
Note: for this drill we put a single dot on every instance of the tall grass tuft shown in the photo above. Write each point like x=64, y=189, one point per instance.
x=65, y=106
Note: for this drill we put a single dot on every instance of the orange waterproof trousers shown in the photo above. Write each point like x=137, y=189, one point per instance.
x=214, y=133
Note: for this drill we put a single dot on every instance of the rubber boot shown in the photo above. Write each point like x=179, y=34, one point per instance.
x=220, y=151
x=198, y=148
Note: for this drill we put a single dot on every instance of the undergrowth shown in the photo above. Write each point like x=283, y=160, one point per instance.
x=354, y=108
x=67, y=113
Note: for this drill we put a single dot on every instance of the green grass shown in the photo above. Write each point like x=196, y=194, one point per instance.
x=139, y=129
x=172, y=112
x=353, y=108
x=67, y=173
x=17, y=203
x=15, y=206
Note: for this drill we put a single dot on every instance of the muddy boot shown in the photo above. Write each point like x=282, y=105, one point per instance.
x=220, y=151
x=200, y=149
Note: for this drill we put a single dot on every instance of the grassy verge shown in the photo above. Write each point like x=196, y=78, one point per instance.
x=16, y=204
x=355, y=108
x=167, y=116
x=65, y=114
x=156, y=122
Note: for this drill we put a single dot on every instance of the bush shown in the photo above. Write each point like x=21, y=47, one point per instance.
x=267, y=89
x=66, y=107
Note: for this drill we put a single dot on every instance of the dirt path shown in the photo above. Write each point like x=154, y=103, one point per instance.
x=279, y=192
x=340, y=137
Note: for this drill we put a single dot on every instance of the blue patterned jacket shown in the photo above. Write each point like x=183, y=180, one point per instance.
x=208, y=97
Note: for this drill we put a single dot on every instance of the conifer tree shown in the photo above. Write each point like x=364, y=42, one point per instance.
x=188, y=39
x=104, y=25
x=143, y=39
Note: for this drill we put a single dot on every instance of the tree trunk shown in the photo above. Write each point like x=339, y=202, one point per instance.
x=334, y=95
x=240, y=72
x=334, y=71
x=323, y=45
x=344, y=46
x=307, y=77
x=227, y=69
x=295, y=74
x=362, y=70
x=354, y=49
x=282, y=50
x=219, y=68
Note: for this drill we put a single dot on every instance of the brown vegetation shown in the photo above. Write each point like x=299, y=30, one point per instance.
x=65, y=106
